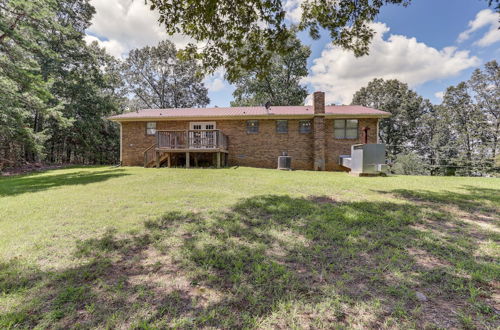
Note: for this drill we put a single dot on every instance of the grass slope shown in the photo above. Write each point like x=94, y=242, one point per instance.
x=98, y=247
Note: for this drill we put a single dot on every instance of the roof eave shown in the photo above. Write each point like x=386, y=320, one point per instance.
x=244, y=117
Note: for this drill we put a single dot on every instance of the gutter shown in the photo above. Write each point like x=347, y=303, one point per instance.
x=246, y=117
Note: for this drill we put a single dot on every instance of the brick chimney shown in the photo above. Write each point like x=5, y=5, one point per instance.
x=319, y=130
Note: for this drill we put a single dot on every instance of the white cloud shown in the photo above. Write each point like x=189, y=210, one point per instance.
x=215, y=82
x=439, y=95
x=113, y=47
x=339, y=73
x=123, y=25
x=216, y=85
x=293, y=10
x=490, y=37
x=483, y=18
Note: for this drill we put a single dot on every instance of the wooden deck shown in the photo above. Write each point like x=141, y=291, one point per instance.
x=186, y=141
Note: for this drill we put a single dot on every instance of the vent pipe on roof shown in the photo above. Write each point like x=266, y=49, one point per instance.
x=268, y=106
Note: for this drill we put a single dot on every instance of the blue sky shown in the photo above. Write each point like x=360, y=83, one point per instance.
x=418, y=44
x=438, y=23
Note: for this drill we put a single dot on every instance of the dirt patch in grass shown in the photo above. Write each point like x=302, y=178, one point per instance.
x=323, y=200
x=426, y=260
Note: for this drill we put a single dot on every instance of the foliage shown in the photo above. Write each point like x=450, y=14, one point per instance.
x=101, y=247
x=280, y=85
x=23, y=25
x=158, y=79
x=464, y=126
x=244, y=35
x=93, y=91
x=485, y=86
x=58, y=89
x=407, y=107
x=409, y=164
x=458, y=137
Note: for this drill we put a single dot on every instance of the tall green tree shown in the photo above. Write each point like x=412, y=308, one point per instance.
x=280, y=84
x=485, y=85
x=464, y=124
x=47, y=71
x=400, y=131
x=433, y=142
x=159, y=79
x=25, y=27
x=92, y=91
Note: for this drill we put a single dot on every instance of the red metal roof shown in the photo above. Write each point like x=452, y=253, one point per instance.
x=340, y=110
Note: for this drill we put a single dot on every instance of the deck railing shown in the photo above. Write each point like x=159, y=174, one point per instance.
x=191, y=139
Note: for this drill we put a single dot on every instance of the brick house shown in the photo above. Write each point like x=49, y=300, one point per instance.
x=314, y=136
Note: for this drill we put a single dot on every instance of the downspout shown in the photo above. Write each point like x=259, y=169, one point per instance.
x=121, y=140
x=378, y=138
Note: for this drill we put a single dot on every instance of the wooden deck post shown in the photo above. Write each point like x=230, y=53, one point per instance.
x=157, y=158
x=187, y=159
x=218, y=159
x=169, y=160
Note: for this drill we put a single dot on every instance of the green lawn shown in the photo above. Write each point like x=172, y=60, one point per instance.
x=99, y=247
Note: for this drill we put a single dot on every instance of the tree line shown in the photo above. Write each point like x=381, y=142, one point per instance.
x=457, y=137
x=56, y=89
x=57, y=92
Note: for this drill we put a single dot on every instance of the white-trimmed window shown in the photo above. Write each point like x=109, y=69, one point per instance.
x=305, y=126
x=151, y=128
x=282, y=126
x=202, y=125
x=346, y=128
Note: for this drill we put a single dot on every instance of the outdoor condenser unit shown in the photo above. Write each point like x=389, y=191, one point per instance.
x=365, y=159
x=284, y=162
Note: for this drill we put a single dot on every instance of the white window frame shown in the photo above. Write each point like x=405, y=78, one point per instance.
x=199, y=134
x=203, y=123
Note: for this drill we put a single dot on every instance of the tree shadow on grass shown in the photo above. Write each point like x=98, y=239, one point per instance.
x=269, y=261
x=476, y=212
x=475, y=199
x=15, y=185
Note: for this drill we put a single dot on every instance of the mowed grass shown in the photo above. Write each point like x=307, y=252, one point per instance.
x=105, y=247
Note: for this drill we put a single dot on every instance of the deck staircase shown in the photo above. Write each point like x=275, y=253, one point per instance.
x=149, y=157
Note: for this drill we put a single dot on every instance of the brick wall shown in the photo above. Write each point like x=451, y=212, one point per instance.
x=336, y=147
x=256, y=150
x=319, y=131
x=262, y=149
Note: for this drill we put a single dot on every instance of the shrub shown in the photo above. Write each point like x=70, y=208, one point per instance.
x=409, y=164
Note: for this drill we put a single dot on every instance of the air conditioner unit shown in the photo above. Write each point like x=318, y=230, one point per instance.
x=365, y=159
x=284, y=162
